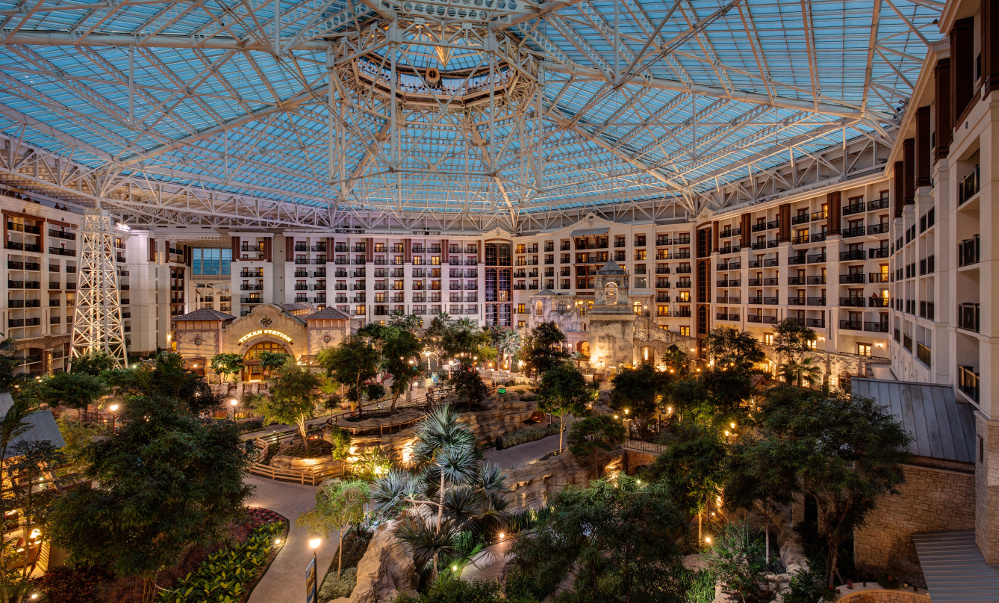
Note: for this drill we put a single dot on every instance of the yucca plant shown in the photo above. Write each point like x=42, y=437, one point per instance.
x=430, y=540
x=392, y=491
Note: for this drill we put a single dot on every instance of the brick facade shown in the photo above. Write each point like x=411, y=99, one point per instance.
x=931, y=499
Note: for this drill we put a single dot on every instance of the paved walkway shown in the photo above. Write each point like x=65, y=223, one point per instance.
x=525, y=453
x=285, y=578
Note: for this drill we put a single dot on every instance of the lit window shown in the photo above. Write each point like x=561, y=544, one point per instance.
x=685, y=331
x=768, y=338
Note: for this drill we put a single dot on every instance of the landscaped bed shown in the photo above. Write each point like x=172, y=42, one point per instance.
x=253, y=544
x=355, y=543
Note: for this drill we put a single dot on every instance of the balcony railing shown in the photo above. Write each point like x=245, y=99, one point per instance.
x=968, y=381
x=800, y=219
x=879, y=253
x=968, y=317
x=877, y=229
x=969, y=251
x=819, y=323
x=853, y=302
x=924, y=354
x=877, y=204
x=858, y=278
x=853, y=254
x=817, y=258
x=815, y=280
x=855, y=325
x=968, y=186
x=853, y=209
x=876, y=327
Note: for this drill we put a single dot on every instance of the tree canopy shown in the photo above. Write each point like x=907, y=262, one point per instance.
x=73, y=390
x=544, y=349
x=619, y=539
x=294, y=393
x=226, y=364
x=353, y=363
x=591, y=435
x=164, y=481
x=399, y=351
x=638, y=389
x=730, y=347
x=565, y=391
x=339, y=505
x=844, y=451
x=93, y=363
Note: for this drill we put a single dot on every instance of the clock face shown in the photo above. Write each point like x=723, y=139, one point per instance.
x=198, y=340
x=610, y=294
x=327, y=338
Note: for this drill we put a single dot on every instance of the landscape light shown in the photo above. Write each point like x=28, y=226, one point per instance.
x=732, y=424
x=233, y=402
x=501, y=535
x=707, y=539
x=113, y=408
x=277, y=541
x=454, y=568
x=314, y=543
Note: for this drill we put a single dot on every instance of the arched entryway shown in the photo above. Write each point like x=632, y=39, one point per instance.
x=252, y=371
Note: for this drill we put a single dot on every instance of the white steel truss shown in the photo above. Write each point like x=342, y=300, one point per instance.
x=97, y=325
x=443, y=114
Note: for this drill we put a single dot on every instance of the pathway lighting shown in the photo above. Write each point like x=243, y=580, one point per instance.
x=732, y=424
x=707, y=539
x=315, y=542
x=454, y=568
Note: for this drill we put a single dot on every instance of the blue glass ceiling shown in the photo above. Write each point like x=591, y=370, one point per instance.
x=636, y=100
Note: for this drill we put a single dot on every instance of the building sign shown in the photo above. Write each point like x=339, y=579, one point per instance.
x=271, y=332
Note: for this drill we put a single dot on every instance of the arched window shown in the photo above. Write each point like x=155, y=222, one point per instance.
x=252, y=371
x=562, y=307
x=538, y=308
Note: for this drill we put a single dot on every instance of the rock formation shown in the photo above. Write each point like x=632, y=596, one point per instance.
x=385, y=570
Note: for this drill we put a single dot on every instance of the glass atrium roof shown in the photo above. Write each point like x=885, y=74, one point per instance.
x=473, y=106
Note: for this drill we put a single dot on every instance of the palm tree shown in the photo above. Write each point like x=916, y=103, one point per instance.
x=506, y=341
x=391, y=491
x=798, y=373
x=440, y=429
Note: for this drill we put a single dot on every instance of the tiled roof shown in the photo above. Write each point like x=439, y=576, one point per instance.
x=41, y=427
x=328, y=313
x=205, y=314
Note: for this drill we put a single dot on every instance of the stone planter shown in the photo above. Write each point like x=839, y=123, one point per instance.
x=323, y=463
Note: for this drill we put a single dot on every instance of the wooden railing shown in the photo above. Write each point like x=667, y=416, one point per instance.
x=315, y=475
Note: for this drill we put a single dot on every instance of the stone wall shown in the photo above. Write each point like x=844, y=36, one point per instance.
x=987, y=490
x=930, y=500
x=877, y=595
x=532, y=485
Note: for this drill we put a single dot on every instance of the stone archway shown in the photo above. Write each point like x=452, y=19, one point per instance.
x=252, y=371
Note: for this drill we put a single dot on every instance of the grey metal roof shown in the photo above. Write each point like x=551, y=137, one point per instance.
x=41, y=427
x=611, y=267
x=941, y=427
x=205, y=314
x=954, y=568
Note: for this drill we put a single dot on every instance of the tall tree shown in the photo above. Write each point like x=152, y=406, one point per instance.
x=793, y=342
x=8, y=366
x=272, y=360
x=73, y=390
x=692, y=466
x=226, y=364
x=467, y=384
x=845, y=452
x=803, y=373
x=93, y=363
x=166, y=377
x=565, y=391
x=339, y=505
x=353, y=363
x=294, y=393
x=506, y=341
x=594, y=434
x=544, y=349
x=406, y=322
x=732, y=348
x=619, y=539
x=637, y=390
x=163, y=482
x=399, y=351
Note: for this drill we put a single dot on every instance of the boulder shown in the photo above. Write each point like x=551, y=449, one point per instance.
x=385, y=570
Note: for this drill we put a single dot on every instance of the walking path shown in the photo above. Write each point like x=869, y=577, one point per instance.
x=285, y=578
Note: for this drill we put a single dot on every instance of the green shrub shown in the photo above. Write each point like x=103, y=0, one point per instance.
x=449, y=590
x=808, y=587
x=220, y=578
x=702, y=588
x=334, y=588
x=527, y=434
x=340, y=439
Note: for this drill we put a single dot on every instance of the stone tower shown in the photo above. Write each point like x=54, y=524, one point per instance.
x=612, y=321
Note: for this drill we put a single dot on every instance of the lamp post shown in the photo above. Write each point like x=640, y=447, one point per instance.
x=233, y=404
x=114, y=417
x=312, y=585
